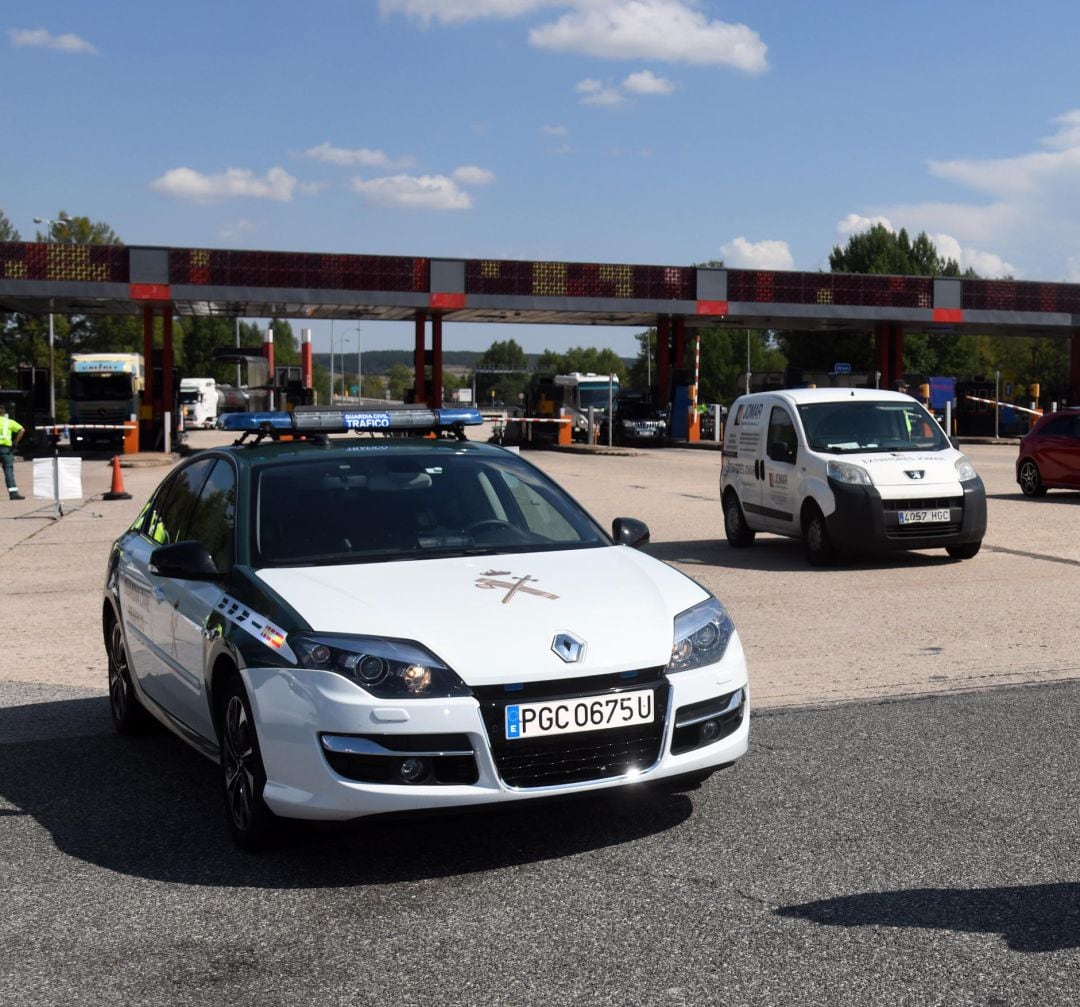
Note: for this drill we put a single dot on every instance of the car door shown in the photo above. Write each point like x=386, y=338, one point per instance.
x=1055, y=455
x=747, y=468
x=165, y=524
x=186, y=604
x=779, y=499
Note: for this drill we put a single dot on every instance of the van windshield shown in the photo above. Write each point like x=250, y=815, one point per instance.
x=841, y=427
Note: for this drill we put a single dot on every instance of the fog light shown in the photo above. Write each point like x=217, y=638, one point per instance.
x=709, y=731
x=413, y=770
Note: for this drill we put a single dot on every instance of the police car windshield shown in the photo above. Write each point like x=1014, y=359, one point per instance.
x=380, y=504
x=852, y=425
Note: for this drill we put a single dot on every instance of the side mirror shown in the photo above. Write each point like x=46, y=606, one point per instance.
x=780, y=452
x=187, y=560
x=629, y=531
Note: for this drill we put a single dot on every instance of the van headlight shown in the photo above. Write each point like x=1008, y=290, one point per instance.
x=388, y=669
x=845, y=472
x=701, y=636
x=965, y=471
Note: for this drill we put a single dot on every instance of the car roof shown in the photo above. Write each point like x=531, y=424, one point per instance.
x=808, y=396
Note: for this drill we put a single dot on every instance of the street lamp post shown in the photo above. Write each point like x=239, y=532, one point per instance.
x=342, y=357
x=50, y=224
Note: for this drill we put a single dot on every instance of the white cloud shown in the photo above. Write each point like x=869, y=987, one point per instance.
x=470, y=174
x=647, y=82
x=669, y=30
x=596, y=92
x=236, y=230
x=39, y=38
x=459, y=11
x=423, y=192
x=676, y=31
x=363, y=157
x=757, y=255
x=556, y=130
x=186, y=183
x=986, y=264
x=853, y=223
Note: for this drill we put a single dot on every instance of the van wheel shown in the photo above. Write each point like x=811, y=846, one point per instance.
x=739, y=536
x=965, y=551
x=819, y=547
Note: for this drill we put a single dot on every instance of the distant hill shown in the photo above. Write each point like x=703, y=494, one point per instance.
x=380, y=361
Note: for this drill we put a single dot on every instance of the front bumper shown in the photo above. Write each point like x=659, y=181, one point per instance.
x=317, y=729
x=865, y=521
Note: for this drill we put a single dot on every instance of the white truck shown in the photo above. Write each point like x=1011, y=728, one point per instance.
x=199, y=400
x=580, y=392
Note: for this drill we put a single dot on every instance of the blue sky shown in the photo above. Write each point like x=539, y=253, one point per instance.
x=642, y=131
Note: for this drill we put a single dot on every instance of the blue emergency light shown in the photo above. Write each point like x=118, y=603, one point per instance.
x=346, y=420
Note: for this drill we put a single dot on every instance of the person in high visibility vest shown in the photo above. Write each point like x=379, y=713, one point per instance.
x=11, y=432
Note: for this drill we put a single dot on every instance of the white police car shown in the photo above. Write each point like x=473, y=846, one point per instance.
x=360, y=625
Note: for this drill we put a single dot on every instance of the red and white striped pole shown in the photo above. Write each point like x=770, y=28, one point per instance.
x=305, y=358
x=268, y=352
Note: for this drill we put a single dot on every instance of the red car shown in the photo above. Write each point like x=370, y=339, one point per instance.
x=1050, y=454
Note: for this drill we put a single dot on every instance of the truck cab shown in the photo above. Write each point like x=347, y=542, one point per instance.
x=199, y=402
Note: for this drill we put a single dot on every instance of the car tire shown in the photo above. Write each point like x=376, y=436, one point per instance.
x=739, y=536
x=965, y=551
x=819, y=547
x=129, y=716
x=1030, y=479
x=253, y=825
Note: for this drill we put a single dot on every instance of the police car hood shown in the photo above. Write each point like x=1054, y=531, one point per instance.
x=910, y=473
x=495, y=618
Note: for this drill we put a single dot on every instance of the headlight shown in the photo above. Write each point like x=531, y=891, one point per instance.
x=701, y=636
x=965, y=471
x=628, y=424
x=388, y=669
x=845, y=472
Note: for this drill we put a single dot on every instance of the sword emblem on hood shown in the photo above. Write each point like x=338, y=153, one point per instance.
x=488, y=582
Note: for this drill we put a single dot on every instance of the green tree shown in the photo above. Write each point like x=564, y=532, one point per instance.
x=399, y=380
x=504, y=355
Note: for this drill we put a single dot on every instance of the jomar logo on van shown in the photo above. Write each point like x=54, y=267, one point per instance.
x=749, y=412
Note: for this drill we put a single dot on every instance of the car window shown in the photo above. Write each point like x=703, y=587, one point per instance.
x=213, y=517
x=173, y=501
x=782, y=443
x=374, y=506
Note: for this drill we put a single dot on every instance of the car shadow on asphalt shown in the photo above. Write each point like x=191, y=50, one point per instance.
x=1069, y=497
x=1032, y=918
x=775, y=553
x=150, y=807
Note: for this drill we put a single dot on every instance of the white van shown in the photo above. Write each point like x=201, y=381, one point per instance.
x=847, y=470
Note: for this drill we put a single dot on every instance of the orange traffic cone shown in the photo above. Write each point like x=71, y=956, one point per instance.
x=117, y=491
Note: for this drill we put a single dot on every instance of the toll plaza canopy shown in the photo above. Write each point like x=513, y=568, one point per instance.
x=116, y=279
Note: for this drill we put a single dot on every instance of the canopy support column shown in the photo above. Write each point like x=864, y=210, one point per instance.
x=420, y=359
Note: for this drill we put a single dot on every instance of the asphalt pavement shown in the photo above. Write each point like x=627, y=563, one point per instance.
x=912, y=852
x=902, y=831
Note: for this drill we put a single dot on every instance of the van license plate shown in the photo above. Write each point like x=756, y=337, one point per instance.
x=592, y=713
x=923, y=516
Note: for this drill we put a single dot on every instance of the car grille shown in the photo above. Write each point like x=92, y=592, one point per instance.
x=895, y=530
x=579, y=757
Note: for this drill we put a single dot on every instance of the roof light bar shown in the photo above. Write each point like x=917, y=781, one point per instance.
x=340, y=421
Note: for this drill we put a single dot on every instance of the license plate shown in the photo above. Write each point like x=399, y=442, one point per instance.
x=568, y=716
x=924, y=516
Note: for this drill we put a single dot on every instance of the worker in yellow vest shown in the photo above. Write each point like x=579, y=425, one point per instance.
x=11, y=432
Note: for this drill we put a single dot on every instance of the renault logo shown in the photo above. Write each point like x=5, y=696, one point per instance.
x=569, y=648
x=914, y=473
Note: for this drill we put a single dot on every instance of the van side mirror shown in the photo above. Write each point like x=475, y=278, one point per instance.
x=781, y=452
x=629, y=531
